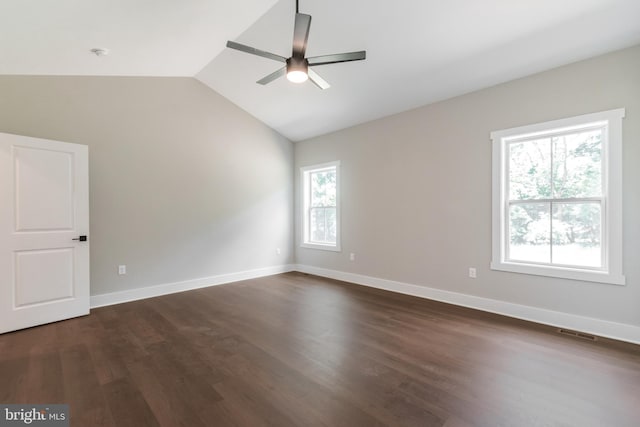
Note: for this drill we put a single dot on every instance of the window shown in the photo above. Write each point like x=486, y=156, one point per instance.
x=321, y=210
x=557, y=198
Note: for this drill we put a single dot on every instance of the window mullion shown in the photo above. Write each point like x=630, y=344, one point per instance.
x=551, y=232
x=558, y=200
x=326, y=225
x=553, y=194
x=506, y=188
x=604, y=237
x=309, y=236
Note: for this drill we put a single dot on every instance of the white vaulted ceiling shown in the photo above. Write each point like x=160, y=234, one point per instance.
x=418, y=51
x=145, y=37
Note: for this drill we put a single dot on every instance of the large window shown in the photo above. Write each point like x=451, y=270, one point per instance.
x=321, y=210
x=557, y=198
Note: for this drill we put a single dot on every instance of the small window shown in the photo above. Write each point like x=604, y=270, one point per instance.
x=321, y=209
x=557, y=208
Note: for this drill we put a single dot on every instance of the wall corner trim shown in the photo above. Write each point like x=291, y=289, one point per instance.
x=129, y=295
x=603, y=328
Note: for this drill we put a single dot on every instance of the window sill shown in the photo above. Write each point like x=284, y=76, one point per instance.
x=331, y=248
x=561, y=273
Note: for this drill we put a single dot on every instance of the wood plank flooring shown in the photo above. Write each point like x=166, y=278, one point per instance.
x=298, y=350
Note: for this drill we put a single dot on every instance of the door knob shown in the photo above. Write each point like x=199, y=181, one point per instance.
x=81, y=238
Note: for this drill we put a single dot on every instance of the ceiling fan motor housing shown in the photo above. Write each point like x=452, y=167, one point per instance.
x=297, y=64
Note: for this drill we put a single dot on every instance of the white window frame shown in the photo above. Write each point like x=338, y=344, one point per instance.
x=611, y=271
x=305, y=173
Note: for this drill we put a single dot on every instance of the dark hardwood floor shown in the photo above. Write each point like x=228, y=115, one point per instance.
x=298, y=350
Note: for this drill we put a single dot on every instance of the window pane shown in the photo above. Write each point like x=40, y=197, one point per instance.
x=323, y=225
x=530, y=169
x=330, y=215
x=577, y=165
x=317, y=225
x=576, y=234
x=530, y=232
x=323, y=188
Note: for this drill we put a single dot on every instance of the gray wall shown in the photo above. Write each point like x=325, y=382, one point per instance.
x=416, y=188
x=183, y=183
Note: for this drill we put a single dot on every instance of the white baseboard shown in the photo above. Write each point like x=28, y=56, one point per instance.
x=187, y=285
x=603, y=328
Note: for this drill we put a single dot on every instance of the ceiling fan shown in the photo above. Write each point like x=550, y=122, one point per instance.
x=297, y=68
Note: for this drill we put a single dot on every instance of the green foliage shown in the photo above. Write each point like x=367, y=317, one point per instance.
x=563, y=167
x=323, y=206
x=323, y=188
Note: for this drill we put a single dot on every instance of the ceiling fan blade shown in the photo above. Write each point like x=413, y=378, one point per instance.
x=317, y=80
x=271, y=77
x=338, y=57
x=301, y=34
x=254, y=51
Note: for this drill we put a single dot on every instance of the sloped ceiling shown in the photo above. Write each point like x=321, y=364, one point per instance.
x=145, y=37
x=419, y=51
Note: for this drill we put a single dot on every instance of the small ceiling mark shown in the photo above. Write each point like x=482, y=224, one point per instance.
x=97, y=51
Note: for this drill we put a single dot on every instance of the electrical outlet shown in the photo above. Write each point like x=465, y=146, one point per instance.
x=122, y=269
x=352, y=256
x=472, y=272
x=278, y=251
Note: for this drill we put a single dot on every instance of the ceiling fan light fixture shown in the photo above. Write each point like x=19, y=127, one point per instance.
x=297, y=66
x=297, y=70
x=297, y=76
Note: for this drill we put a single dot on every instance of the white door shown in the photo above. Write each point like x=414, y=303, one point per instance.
x=44, y=208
